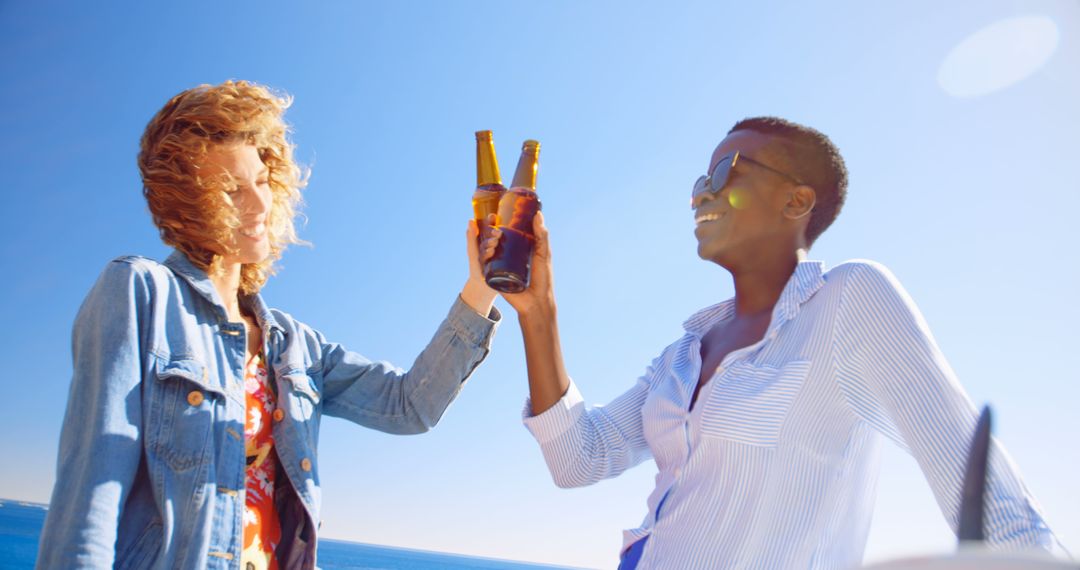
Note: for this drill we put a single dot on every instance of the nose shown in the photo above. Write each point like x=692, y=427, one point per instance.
x=701, y=198
x=257, y=200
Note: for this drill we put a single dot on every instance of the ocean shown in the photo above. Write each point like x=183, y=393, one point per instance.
x=20, y=527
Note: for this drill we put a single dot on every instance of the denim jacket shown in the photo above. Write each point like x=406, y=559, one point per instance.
x=152, y=461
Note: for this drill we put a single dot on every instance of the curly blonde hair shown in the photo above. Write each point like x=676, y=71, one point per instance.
x=191, y=209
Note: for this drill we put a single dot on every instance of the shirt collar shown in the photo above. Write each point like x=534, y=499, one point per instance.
x=179, y=263
x=803, y=283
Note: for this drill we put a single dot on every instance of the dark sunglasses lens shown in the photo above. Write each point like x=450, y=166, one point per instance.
x=719, y=176
x=700, y=187
x=715, y=182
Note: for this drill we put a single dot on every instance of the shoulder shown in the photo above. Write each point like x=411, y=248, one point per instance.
x=302, y=347
x=859, y=268
x=870, y=288
x=135, y=273
x=126, y=274
x=136, y=267
x=864, y=276
x=286, y=320
x=295, y=328
x=125, y=289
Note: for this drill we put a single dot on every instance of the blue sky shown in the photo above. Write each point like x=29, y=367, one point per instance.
x=963, y=182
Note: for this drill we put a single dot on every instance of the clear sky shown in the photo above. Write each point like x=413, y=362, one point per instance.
x=958, y=122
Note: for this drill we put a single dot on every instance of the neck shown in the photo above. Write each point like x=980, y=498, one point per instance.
x=758, y=284
x=226, y=280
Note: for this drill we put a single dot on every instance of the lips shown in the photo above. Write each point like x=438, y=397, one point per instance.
x=710, y=217
x=253, y=231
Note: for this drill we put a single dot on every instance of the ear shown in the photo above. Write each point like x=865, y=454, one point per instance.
x=800, y=202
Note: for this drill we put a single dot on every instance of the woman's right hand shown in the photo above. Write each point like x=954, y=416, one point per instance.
x=539, y=298
x=535, y=306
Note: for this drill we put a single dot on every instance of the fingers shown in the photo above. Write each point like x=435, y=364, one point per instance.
x=471, y=233
x=483, y=250
x=538, y=225
x=540, y=231
x=489, y=250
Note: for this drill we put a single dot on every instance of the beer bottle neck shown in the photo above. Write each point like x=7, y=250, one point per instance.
x=525, y=175
x=487, y=167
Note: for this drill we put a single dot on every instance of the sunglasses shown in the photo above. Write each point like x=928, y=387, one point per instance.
x=715, y=182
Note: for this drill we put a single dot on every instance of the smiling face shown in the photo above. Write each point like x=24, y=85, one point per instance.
x=757, y=212
x=247, y=190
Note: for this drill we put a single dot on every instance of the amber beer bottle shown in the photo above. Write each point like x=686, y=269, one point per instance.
x=489, y=188
x=508, y=270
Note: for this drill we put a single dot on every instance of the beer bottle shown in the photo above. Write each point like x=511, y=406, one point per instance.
x=489, y=188
x=508, y=269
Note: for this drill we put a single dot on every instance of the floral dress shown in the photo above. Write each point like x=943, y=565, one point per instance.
x=262, y=530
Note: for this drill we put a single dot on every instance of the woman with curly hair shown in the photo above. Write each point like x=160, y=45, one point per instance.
x=190, y=434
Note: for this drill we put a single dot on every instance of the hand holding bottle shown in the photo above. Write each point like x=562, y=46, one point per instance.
x=539, y=297
x=535, y=306
x=476, y=292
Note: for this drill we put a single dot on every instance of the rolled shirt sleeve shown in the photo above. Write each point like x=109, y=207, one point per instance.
x=582, y=445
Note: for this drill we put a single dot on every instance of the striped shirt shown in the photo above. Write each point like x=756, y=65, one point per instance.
x=780, y=469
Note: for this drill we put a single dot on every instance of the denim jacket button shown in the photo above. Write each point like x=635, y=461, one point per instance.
x=279, y=414
x=194, y=397
x=305, y=464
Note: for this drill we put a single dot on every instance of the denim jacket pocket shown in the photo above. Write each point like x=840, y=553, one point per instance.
x=751, y=402
x=144, y=550
x=303, y=390
x=185, y=404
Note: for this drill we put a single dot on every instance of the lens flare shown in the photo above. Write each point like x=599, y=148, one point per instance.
x=738, y=198
x=998, y=56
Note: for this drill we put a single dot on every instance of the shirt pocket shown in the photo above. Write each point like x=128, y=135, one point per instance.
x=186, y=405
x=751, y=402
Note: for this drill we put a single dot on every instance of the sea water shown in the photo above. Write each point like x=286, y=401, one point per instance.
x=20, y=527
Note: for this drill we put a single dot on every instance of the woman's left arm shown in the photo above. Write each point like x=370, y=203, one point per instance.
x=896, y=379
x=384, y=397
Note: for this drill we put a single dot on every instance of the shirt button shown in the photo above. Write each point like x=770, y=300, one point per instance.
x=194, y=397
x=279, y=414
x=305, y=464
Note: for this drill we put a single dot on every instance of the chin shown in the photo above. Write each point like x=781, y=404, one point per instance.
x=250, y=257
x=716, y=255
x=709, y=250
x=257, y=259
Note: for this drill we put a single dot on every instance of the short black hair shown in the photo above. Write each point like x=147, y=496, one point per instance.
x=812, y=158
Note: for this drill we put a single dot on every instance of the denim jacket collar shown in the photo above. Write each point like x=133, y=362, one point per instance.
x=179, y=263
x=803, y=283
